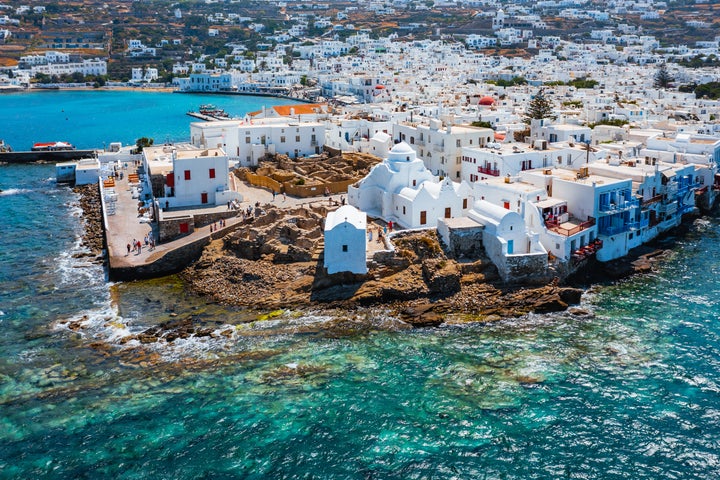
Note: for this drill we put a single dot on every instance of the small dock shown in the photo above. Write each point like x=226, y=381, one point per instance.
x=49, y=157
x=207, y=118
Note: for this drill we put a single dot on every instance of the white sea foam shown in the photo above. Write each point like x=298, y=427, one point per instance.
x=14, y=191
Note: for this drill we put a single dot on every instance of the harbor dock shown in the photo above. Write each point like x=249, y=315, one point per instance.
x=50, y=157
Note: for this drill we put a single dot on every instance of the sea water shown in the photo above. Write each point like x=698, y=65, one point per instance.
x=92, y=119
x=628, y=392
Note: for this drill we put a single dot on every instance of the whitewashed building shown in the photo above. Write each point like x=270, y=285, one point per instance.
x=441, y=148
x=345, y=241
x=401, y=189
x=188, y=176
x=515, y=251
x=247, y=142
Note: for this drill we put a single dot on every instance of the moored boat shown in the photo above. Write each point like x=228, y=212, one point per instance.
x=51, y=146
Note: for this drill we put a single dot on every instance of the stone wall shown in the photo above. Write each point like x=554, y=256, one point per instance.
x=526, y=268
x=172, y=261
x=169, y=229
x=465, y=243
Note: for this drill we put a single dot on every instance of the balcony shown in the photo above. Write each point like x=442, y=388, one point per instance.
x=610, y=208
x=569, y=228
x=488, y=171
x=652, y=200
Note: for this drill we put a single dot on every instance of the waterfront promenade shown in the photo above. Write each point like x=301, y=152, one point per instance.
x=126, y=224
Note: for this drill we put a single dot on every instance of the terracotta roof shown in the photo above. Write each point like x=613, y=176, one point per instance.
x=298, y=109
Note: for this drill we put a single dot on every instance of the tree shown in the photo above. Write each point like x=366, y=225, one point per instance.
x=662, y=77
x=143, y=142
x=539, y=107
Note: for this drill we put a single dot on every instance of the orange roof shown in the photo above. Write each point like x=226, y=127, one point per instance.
x=298, y=109
x=499, y=136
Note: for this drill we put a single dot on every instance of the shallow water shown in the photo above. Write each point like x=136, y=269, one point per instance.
x=631, y=392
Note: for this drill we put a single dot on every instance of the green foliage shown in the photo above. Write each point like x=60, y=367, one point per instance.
x=663, y=79
x=509, y=83
x=143, y=142
x=583, y=83
x=615, y=122
x=481, y=124
x=539, y=107
x=710, y=90
x=573, y=103
x=699, y=61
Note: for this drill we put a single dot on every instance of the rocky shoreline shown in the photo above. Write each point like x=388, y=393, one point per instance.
x=94, y=236
x=275, y=262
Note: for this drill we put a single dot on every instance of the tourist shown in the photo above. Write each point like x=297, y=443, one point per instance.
x=134, y=244
x=273, y=192
x=342, y=200
x=228, y=205
x=370, y=235
x=128, y=248
x=390, y=225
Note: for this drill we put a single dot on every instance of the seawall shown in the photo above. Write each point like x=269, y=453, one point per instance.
x=51, y=157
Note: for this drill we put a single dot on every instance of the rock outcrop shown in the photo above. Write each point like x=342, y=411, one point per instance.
x=276, y=262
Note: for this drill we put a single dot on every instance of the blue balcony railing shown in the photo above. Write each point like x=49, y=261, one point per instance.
x=619, y=207
x=614, y=230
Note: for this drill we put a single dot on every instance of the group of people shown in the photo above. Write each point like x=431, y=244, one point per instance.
x=214, y=226
x=381, y=232
x=136, y=246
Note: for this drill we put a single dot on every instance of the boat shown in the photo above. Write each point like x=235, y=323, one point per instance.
x=52, y=146
x=213, y=111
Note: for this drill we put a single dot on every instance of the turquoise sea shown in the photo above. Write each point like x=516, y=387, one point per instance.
x=629, y=392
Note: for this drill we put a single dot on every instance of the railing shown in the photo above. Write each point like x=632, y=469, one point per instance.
x=489, y=171
x=652, y=200
x=614, y=230
x=555, y=227
x=611, y=207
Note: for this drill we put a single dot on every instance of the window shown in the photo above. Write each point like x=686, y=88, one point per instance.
x=457, y=142
x=465, y=203
x=282, y=139
x=212, y=173
x=344, y=248
x=403, y=210
x=247, y=139
x=187, y=174
x=297, y=138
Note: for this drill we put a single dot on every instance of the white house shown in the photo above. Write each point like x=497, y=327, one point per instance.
x=514, y=250
x=345, y=241
x=247, y=142
x=190, y=176
x=401, y=189
x=441, y=148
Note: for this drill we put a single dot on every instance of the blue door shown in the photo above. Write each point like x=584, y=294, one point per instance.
x=510, y=247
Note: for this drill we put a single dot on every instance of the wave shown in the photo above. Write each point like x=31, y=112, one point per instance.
x=14, y=191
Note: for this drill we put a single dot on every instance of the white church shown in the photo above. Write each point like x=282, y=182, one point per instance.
x=402, y=190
